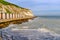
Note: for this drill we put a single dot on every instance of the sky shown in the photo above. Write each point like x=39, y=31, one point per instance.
x=40, y=7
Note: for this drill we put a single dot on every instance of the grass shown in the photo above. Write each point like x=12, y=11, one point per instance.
x=8, y=11
x=7, y=3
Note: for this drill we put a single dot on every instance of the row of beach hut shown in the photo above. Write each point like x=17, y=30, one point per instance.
x=4, y=15
x=9, y=15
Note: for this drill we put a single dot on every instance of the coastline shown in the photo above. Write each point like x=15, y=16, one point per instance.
x=6, y=22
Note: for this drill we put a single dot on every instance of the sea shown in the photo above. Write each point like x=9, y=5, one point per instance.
x=40, y=28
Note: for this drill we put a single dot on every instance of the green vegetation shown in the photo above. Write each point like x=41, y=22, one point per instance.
x=7, y=3
x=4, y=2
x=7, y=11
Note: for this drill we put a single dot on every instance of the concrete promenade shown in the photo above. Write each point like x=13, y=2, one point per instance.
x=5, y=22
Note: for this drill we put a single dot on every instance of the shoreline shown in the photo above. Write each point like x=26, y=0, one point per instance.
x=5, y=23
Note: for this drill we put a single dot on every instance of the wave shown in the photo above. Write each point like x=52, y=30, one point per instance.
x=34, y=34
x=25, y=30
x=40, y=34
x=31, y=34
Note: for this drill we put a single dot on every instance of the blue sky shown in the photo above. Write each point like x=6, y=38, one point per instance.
x=40, y=7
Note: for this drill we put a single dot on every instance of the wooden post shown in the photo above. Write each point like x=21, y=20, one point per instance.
x=1, y=15
x=12, y=15
x=17, y=15
x=9, y=15
x=5, y=15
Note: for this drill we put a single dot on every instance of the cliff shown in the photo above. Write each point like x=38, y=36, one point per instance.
x=9, y=8
x=13, y=14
